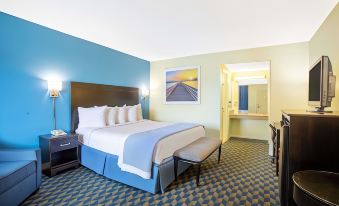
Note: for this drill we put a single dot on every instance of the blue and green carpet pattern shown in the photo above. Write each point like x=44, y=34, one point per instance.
x=245, y=176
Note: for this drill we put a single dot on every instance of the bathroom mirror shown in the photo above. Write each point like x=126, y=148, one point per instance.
x=253, y=98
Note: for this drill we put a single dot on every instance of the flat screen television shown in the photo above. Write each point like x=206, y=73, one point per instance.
x=321, y=87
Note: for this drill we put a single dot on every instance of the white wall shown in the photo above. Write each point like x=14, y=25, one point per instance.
x=249, y=128
x=289, y=73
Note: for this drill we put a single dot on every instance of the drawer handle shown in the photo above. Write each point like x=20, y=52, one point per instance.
x=62, y=145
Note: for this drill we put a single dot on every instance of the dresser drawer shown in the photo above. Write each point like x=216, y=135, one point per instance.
x=60, y=144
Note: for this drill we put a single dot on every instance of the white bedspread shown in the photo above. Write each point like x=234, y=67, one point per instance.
x=111, y=139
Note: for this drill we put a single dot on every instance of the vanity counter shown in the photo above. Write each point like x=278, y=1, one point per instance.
x=249, y=116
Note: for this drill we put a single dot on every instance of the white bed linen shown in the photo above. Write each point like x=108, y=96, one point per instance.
x=111, y=139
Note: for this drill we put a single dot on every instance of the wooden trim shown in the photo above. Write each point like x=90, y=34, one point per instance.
x=304, y=113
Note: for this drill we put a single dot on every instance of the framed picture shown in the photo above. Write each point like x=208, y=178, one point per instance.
x=182, y=85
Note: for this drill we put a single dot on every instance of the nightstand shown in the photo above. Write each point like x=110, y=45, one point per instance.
x=59, y=152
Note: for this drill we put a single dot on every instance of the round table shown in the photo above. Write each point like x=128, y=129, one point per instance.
x=316, y=188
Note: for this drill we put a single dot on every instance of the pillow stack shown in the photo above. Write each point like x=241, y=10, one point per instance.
x=109, y=116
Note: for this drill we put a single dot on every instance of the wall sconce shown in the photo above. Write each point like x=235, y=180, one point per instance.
x=144, y=92
x=54, y=88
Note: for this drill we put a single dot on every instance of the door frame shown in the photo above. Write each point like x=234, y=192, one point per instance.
x=224, y=105
x=222, y=66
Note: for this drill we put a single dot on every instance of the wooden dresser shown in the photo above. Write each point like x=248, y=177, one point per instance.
x=309, y=141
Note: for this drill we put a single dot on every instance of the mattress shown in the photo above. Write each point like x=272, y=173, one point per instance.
x=111, y=139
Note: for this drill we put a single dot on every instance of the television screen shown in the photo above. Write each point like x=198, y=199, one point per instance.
x=314, y=83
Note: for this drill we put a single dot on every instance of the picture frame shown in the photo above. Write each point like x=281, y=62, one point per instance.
x=182, y=85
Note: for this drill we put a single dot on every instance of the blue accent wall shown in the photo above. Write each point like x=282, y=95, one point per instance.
x=30, y=54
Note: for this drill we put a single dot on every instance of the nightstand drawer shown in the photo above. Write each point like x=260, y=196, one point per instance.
x=60, y=144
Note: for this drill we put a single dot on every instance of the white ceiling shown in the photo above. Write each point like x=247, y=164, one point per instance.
x=155, y=30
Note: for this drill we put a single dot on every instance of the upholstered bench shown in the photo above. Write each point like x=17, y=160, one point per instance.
x=196, y=152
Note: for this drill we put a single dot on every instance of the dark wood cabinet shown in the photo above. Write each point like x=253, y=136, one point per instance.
x=309, y=141
x=59, y=152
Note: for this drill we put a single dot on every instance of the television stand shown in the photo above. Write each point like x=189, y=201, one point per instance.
x=307, y=142
x=319, y=110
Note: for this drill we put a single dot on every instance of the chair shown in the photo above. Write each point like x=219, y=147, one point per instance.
x=275, y=135
x=316, y=188
x=20, y=174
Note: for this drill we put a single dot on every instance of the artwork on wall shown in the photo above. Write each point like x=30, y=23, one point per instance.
x=182, y=85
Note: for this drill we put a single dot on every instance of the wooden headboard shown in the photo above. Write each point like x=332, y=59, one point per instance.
x=89, y=95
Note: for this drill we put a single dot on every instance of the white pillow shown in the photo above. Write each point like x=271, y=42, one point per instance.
x=106, y=112
x=92, y=117
x=132, y=113
x=122, y=119
x=112, y=116
x=139, y=112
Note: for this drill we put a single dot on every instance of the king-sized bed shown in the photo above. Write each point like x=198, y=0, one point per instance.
x=136, y=153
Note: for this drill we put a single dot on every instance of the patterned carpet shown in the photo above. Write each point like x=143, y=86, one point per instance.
x=245, y=176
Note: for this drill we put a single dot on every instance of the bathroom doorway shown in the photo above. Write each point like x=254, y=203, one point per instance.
x=245, y=92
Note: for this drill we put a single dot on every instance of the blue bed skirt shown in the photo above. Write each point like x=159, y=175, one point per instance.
x=106, y=164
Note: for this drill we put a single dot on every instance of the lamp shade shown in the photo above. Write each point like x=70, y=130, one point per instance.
x=54, y=85
x=54, y=88
x=144, y=92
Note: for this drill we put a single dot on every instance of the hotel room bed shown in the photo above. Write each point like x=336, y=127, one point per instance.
x=111, y=139
x=100, y=152
x=102, y=149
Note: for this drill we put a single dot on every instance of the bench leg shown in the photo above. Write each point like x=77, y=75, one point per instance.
x=219, y=154
x=198, y=174
x=175, y=167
